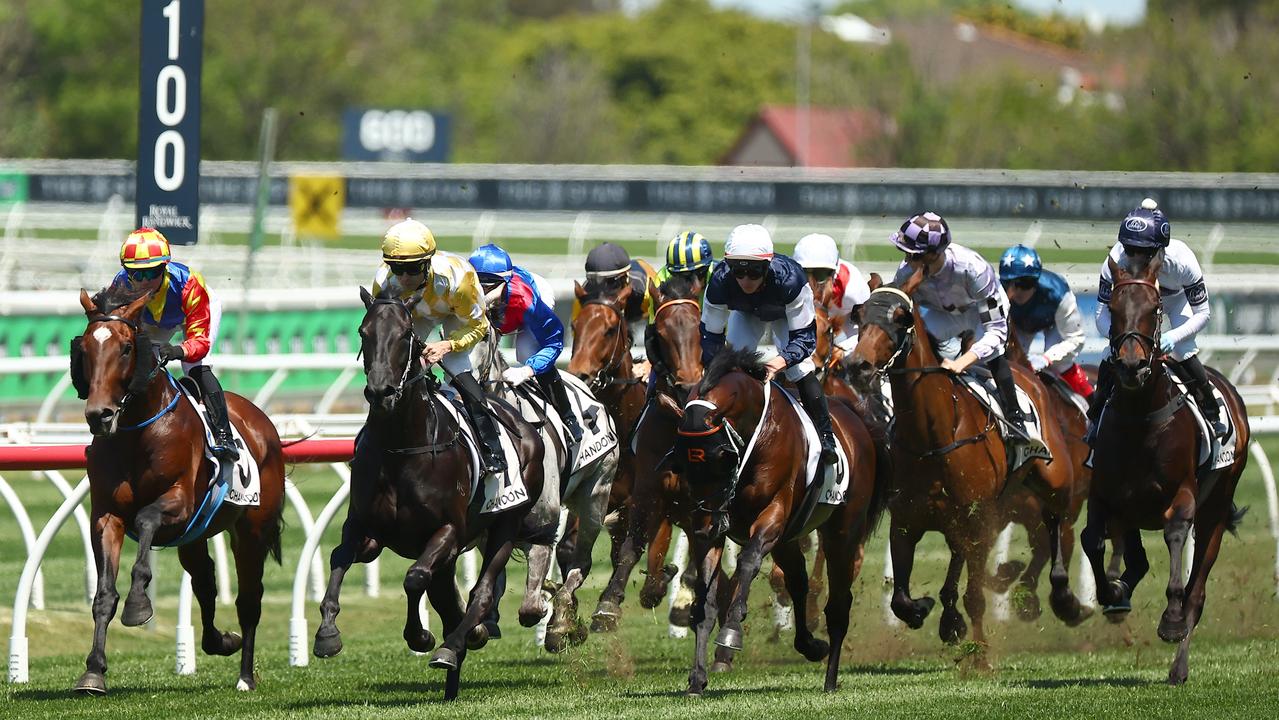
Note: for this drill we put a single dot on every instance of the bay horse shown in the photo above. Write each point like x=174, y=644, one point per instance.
x=752, y=492
x=411, y=492
x=950, y=466
x=148, y=475
x=583, y=490
x=1145, y=466
x=601, y=358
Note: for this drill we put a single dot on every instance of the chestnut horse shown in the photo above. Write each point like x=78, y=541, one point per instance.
x=752, y=491
x=1145, y=466
x=148, y=475
x=411, y=492
x=950, y=465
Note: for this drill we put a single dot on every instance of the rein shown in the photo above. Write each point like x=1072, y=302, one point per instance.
x=1146, y=368
x=407, y=382
x=155, y=370
x=599, y=381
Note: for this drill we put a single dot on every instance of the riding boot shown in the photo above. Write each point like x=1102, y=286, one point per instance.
x=1197, y=383
x=220, y=421
x=1100, y=396
x=1075, y=378
x=491, y=454
x=553, y=385
x=814, y=402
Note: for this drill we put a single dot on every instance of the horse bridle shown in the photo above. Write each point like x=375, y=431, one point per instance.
x=137, y=331
x=1145, y=368
x=599, y=380
x=413, y=340
x=670, y=376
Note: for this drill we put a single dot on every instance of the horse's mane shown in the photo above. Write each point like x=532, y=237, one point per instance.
x=678, y=286
x=116, y=296
x=729, y=359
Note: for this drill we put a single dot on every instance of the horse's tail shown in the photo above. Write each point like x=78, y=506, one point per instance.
x=290, y=443
x=1235, y=517
x=273, y=533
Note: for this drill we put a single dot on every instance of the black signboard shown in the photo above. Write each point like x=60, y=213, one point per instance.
x=168, y=170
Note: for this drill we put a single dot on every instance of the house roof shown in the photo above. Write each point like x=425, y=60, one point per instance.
x=833, y=133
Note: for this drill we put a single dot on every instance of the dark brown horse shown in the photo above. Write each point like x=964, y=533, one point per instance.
x=752, y=491
x=148, y=475
x=411, y=492
x=1145, y=466
x=950, y=465
x=602, y=359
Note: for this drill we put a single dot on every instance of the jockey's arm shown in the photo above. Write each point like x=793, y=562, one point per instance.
x=801, y=320
x=1191, y=278
x=197, y=314
x=714, y=324
x=546, y=327
x=466, y=300
x=1071, y=329
x=992, y=313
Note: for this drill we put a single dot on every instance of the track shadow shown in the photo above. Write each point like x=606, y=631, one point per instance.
x=1128, y=682
x=113, y=692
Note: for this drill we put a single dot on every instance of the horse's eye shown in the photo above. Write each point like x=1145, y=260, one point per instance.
x=611, y=331
x=126, y=350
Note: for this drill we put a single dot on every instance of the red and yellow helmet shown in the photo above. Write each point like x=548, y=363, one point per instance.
x=144, y=248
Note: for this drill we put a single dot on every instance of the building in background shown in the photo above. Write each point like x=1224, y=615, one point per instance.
x=836, y=138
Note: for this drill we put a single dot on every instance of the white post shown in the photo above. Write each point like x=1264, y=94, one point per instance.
x=577, y=236
x=1086, y=583
x=185, y=633
x=1032, y=234
x=308, y=524
x=470, y=569
x=371, y=578
x=81, y=521
x=483, y=230
x=730, y=556
x=1002, y=544
x=28, y=538
x=1215, y=236
x=1272, y=500
x=18, y=657
x=676, y=586
x=224, y=572
x=298, y=651
x=852, y=237
x=669, y=227
x=889, y=618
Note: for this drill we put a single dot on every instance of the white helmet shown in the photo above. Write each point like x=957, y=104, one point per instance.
x=817, y=251
x=749, y=242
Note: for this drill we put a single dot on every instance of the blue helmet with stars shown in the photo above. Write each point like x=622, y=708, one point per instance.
x=1019, y=262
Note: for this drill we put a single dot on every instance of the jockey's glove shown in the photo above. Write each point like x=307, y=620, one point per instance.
x=171, y=352
x=1038, y=362
x=517, y=375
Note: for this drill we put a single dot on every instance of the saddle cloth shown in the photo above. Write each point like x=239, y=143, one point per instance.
x=1214, y=453
x=598, y=433
x=245, y=486
x=499, y=493
x=1059, y=386
x=983, y=388
x=832, y=488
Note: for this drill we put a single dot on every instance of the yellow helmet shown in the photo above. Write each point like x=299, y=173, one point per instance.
x=144, y=248
x=406, y=241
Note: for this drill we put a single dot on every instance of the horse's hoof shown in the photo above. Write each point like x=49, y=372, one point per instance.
x=91, y=683
x=914, y=612
x=444, y=659
x=222, y=644
x=1028, y=607
x=555, y=642
x=1116, y=615
x=1172, y=631
x=248, y=684
x=1115, y=593
x=1178, y=675
x=730, y=638
x=815, y=650
x=420, y=641
x=138, y=612
x=327, y=646
x=1005, y=574
x=1068, y=609
x=478, y=637
x=530, y=616
x=680, y=616
x=952, y=628
x=719, y=666
x=606, y=617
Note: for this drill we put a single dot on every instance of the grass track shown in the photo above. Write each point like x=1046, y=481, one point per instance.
x=1041, y=669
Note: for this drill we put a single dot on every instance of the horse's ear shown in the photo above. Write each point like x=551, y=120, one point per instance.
x=579, y=291
x=1116, y=273
x=132, y=309
x=903, y=317
x=655, y=292
x=367, y=297
x=913, y=281
x=623, y=295
x=874, y=282
x=1152, y=268
x=86, y=302
x=669, y=407
x=412, y=302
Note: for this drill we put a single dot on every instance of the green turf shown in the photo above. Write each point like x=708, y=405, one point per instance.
x=1040, y=669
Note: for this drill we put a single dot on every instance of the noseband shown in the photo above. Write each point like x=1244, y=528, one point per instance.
x=135, y=386
x=608, y=372
x=1146, y=342
x=670, y=376
x=414, y=342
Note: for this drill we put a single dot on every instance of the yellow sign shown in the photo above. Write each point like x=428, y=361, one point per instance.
x=317, y=202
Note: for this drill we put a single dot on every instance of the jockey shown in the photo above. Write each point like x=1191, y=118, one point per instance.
x=960, y=292
x=755, y=290
x=1042, y=302
x=839, y=282
x=520, y=302
x=688, y=255
x=609, y=268
x=451, y=298
x=182, y=300
x=1144, y=233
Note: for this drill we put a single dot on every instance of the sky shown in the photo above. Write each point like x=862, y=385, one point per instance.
x=1118, y=12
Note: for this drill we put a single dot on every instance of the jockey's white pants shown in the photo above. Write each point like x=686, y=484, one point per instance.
x=745, y=331
x=946, y=327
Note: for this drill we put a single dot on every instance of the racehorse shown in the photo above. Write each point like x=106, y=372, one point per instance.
x=587, y=494
x=148, y=475
x=754, y=492
x=601, y=357
x=950, y=465
x=1145, y=466
x=411, y=492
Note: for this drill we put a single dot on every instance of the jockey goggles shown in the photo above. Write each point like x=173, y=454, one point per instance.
x=1026, y=283
x=753, y=269
x=144, y=274
x=414, y=267
x=821, y=275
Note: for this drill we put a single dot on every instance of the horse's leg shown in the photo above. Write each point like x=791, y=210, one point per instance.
x=815, y=586
x=328, y=640
x=564, y=621
x=1136, y=564
x=659, y=575
x=705, y=557
x=625, y=549
x=952, y=628
x=717, y=606
x=1064, y=603
x=470, y=633
x=765, y=533
x=843, y=567
x=1026, y=597
x=443, y=594
x=790, y=558
x=977, y=552
x=441, y=550
x=567, y=545
x=137, y=606
x=1208, y=535
x=251, y=549
x=108, y=537
x=1173, y=626
x=1110, y=591
x=901, y=543
x=196, y=561
x=533, y=607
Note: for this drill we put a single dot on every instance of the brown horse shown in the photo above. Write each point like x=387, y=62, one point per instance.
x=411, y=492
x=1145, y=473
x=752, y=491
x=601, y=357
x=950, y=465
x=148, y=475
